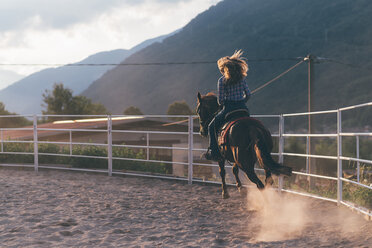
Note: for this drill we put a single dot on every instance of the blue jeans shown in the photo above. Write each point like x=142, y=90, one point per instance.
x=219, y=120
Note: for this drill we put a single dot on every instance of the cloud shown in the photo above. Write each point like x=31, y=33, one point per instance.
x=59, y=14
x=51, y=31
x=16, y=14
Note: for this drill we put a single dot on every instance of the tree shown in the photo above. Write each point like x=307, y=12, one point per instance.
x=132, y=111
x=83, y=105
x=179, y=108
x=11, y=121
x=58, y=101
x=3, y=111
x=61, y=101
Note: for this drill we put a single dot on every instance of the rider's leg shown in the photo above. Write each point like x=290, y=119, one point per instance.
x=216, y=123
x=214, y=153
x=213, y=146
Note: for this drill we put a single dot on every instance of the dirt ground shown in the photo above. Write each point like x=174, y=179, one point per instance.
x=74, y=209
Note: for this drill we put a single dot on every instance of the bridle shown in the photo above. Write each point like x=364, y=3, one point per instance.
x=205, y=123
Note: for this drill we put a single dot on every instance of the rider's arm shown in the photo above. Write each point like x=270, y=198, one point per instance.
x=221, y=91
x=247, y=91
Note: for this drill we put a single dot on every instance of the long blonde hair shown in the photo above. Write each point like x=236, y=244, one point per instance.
x=233, y=68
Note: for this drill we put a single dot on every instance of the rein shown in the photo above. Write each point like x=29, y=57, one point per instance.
x=209, y=119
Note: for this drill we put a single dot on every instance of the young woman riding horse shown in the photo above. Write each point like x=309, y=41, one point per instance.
x=233, y=93
x=247, y=140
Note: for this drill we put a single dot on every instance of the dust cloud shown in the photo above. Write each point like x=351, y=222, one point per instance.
x=281, y=217
x=286, y=216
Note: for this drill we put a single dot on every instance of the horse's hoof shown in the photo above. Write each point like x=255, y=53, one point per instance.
x=225, y=195
x=269, y=181
x=260, y=186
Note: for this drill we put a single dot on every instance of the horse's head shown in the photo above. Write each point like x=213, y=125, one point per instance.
x=206, y=109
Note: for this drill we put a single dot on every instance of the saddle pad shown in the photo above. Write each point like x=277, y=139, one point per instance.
x=222, y=138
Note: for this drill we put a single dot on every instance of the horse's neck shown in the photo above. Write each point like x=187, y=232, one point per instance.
x=211, y=107
x=212, y=117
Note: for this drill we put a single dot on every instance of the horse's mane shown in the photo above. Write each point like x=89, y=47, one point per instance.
x=210, y=95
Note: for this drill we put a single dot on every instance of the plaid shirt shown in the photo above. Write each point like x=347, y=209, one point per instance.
x=235, y=92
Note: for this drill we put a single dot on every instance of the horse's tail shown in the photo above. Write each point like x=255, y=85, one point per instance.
x=264, y=158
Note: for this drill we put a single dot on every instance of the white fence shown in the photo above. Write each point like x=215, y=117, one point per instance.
x=189, y=136
x=339, y=158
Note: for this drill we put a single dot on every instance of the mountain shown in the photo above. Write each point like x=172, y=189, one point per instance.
x=277, y=30
x=8, y=77
x=25, y=96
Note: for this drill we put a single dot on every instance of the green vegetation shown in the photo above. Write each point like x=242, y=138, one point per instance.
x=18, y=159
x=60, y=101
x=328, y=188
x=132, y=111
x=82, y=162
x=179, y=108
x=11, y=121
x=358, y=195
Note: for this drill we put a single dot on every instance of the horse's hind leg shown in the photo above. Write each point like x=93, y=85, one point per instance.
x=236, y=170
x=246, y=161
x=238, y=182
x=253, y=177
x=221, y=164
x=268, y=180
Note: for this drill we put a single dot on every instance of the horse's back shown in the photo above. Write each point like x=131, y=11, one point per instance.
x=248, y=130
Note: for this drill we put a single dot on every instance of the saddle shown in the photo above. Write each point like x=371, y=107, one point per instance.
x=231, y=118
x=236, y=114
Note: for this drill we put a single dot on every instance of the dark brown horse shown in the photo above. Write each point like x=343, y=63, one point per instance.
x=248, y=141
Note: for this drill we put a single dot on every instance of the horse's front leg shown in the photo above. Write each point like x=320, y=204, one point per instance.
x=221, y=164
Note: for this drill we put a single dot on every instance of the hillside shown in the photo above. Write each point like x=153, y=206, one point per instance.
x=8, y=77
x=276, y=29
x=25, y=96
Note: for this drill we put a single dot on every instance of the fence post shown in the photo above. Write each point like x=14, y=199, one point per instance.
x=358, y=163
x=2, y=144
x=190, y=151
x=109, y=144
x=147, y=146
x=281, y=149
x=70, y=142
x=307, y=157
x=339, y=160
x=36, y=148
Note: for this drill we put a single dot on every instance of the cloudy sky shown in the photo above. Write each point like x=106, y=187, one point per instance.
x=67, y=31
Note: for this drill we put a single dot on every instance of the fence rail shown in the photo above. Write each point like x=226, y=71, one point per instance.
x=190, y=148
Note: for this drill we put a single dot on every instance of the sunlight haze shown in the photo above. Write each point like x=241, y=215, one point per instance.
x=61, y=32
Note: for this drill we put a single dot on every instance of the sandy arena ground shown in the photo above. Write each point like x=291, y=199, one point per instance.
x=74, y=209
